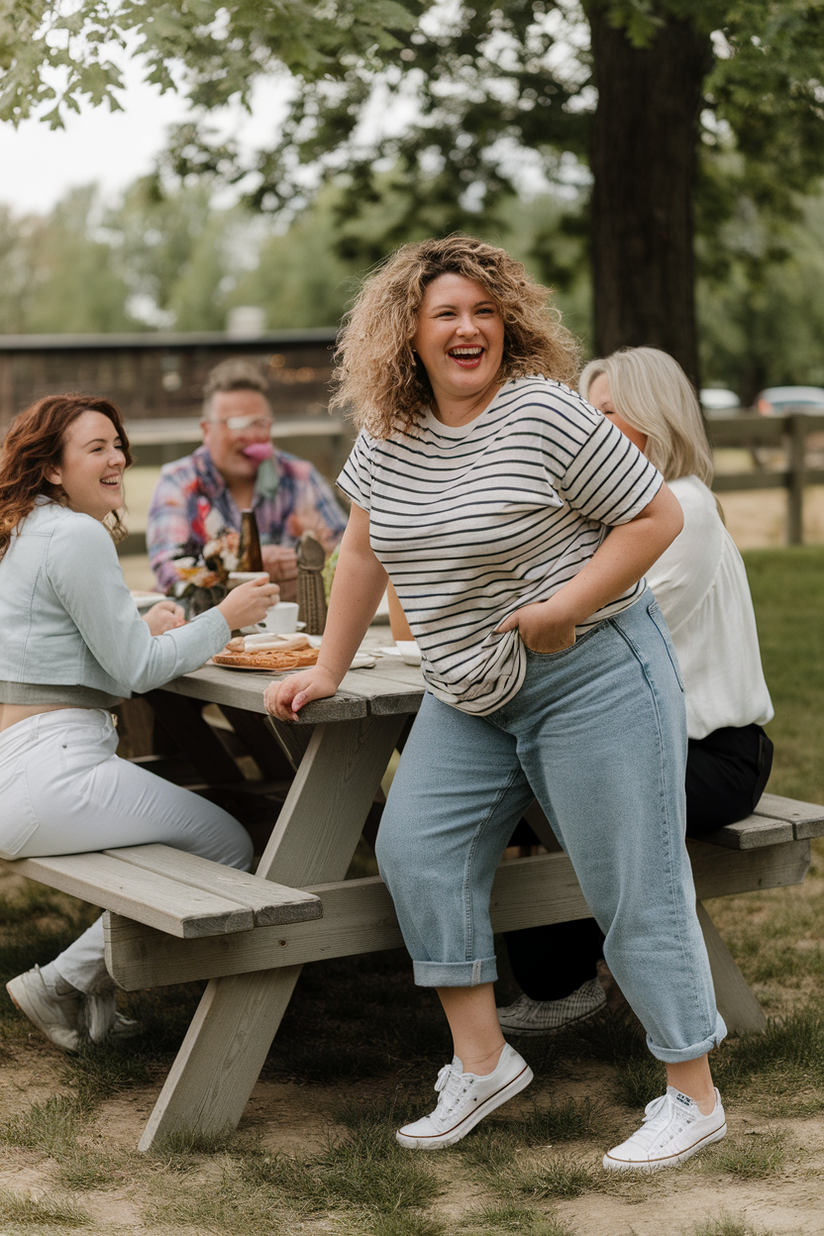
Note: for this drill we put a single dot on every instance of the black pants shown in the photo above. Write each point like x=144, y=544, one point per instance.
x=726, y=775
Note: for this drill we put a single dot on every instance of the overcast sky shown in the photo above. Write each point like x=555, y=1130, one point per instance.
x=38, y=164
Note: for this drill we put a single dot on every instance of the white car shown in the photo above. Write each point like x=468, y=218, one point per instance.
x=718, y=402
x=776, y=400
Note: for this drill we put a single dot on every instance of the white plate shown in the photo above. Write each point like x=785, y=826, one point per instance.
x=259, y=628
x=361, y=660
x=255, y=669
x=409, y=650
x=406, y=651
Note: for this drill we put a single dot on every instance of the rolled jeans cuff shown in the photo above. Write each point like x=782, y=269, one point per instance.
x=455, y=973
x=673, y=1055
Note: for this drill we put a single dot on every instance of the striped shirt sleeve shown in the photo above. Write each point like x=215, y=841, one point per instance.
x=609, y=480
x=356, y=478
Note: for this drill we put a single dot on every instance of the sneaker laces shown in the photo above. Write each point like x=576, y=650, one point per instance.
x=450, y=1086
x=660, y=1115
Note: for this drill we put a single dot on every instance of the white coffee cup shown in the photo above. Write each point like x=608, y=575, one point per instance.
x=281, y=619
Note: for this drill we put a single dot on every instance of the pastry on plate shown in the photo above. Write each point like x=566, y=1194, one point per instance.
x=272, y=659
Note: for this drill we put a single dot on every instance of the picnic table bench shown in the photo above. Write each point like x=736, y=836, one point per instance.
x=305, y=910
x=770, y=849
x=177, y=894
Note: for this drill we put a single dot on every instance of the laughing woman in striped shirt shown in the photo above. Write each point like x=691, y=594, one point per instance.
x=516, y=524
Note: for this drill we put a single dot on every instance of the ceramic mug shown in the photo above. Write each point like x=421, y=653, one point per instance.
x=282, y=618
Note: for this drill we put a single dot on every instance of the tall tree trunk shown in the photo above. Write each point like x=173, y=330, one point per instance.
x=643, y=162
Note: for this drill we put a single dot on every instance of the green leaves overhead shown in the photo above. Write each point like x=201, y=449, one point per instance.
x=418, y=117
x=56, y=51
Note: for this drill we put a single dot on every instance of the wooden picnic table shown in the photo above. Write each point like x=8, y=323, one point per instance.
x=340, y=748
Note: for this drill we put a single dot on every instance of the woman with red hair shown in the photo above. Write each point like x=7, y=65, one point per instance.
x=73, y=647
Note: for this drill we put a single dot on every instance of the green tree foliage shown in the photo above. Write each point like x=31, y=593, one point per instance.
x=308, y=274
x=438, y=112
x=173, y=259
x=55, y=53
x=480, y=99
x=763, y=325
x=55, y=275
x=476, y=96
x=153, y=260
x=178, y=253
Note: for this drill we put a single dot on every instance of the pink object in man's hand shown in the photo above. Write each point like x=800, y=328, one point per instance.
x=258, y=451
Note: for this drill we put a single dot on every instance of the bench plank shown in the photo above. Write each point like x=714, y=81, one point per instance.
x=182, y=894
x=143, y=895
x=269, y=902
x=807, y=818
x=752, y=833
x=358, y=916
x=775, y=819
x=723, y=873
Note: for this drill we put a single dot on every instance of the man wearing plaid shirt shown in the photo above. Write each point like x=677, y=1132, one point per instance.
x=201, y=496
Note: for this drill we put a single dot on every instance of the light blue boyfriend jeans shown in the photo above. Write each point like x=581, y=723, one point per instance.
x=597, y=733
x=63, y=790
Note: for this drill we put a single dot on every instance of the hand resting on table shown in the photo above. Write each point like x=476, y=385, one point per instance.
x=284, y=700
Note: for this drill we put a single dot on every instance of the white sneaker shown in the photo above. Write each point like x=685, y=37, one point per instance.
x=57, y=1016
x=124, y=1027
x=674, y=1128
x=101, y=1021
x=465, y=1098
x=67, y=1019
x=527, y=1016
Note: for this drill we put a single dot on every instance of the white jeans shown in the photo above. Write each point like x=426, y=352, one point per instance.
x=64, y=791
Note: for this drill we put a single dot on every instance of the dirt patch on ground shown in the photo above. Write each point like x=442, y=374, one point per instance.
x=757, y=519
x=300, y=1120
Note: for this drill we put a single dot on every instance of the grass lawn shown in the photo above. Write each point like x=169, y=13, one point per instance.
x=788, y=591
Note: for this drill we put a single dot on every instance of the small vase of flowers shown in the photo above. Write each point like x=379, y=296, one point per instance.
x=203, y=572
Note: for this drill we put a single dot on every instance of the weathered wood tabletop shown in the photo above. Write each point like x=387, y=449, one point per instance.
x=391, y=687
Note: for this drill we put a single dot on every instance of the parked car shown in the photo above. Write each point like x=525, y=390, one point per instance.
x=776, y=400
x=718, y=402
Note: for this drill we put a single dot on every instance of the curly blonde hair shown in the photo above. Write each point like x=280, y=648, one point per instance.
x=653, y=394
x=381, y=382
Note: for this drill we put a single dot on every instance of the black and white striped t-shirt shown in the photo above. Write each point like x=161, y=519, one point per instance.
x=473, y=522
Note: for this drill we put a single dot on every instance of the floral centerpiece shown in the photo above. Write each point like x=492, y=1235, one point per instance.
x=203, y=572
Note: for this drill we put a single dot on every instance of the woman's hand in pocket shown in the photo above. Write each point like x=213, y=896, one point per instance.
x=543, y=627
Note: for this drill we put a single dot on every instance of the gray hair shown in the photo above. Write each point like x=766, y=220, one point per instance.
x=234, y=374
x=653, y=394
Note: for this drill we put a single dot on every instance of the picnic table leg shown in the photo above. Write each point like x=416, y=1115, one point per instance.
x=736, y=1003
x=313, y=841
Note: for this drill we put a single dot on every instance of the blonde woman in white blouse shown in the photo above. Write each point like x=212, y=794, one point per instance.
x=701, y=586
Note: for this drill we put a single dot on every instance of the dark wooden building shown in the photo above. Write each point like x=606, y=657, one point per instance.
x=160, y=376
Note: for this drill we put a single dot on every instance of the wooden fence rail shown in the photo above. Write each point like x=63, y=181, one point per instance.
x=326, y=441
x=791, y=434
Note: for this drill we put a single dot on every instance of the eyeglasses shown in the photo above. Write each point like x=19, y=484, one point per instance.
x=260, y=424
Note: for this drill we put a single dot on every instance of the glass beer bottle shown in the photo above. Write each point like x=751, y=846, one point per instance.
x=249, y=557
